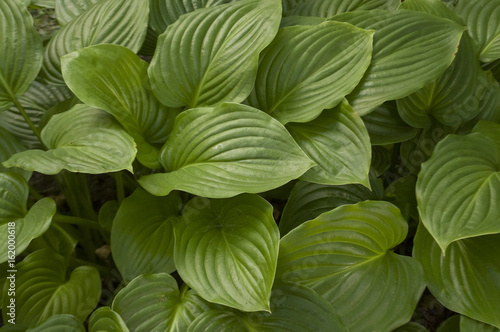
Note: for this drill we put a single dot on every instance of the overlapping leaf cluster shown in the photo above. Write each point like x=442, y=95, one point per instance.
x=368, y=117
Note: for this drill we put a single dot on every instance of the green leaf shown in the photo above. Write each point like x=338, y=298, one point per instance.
x=469, y=324
x=289, y=21
x=411, y=327
x=43, y=289
x=105, y=319
x=154, y=303
x=294, y=308
x=37, y=102
x=67, y=10
x=16, y=220
x=418, y=149
x=381, y=160
x=338, y=142
x=454, y=98
x=385, y=126
x=308, y=200
x=146, y=246
x=483, y=25
x=402, y=194
x=166, y=12
x=43, y=3
x=452, y=324
x=226, y=250
x=57, y=239
x=223, y=44
x=489, y=129
x=458, y=188
x=83, y=139
x=223, y=151
x=307, y=69
x=329, y=8
x=116, y=81
x=410, y=49
x=464, y=279
x=120, y=22
x=8, y=147
x=434, y=7
x=345, y=255
x=21, y=51
x=60, y=323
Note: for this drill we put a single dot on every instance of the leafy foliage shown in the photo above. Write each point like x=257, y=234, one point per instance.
x=250, y=165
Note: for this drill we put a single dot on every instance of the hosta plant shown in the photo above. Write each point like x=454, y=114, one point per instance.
x=250, y=165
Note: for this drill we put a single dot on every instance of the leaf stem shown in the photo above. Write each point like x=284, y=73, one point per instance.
x=120, y=188
x=28, y=121
x=59, y=218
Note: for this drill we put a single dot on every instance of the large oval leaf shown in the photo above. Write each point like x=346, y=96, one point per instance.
x=453, y=98
x=410, y=49
x=227, y=150
x=385, y=126
x=165, y=12
x=154, y=303
x=146, y=246
x=458, y=188
x=60, y=323
x=227, y=250
x=345, y=255
x=37, y=102
x=43, y=289
x=307, y=69
x=8, y=147
x=21, y=51
x=329, y=8
x=67, y=10
x=483, y=24
x=294, y=308
x=116, y=81
x=83, y=139
x=308, y=200
x=464, y=279
x=338, y=142
x=220, y=47
x=105, y=319
x=121, y=22
x=469, y=324
x=16, y=220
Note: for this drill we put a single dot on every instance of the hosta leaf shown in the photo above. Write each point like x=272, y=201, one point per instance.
x=165, y=12
x=67, y=10
x=401, y=193
x=28, y=224
x=227, y=150
x=20, y=51
x=310, y=68
x=489, y=129
x=8, y=147
x=226, y=250
x=411, y=327
x=154, y=303
x=60, y=323
x=44, y=3
x=308, y=200
x=223, y=42
x=338, y=142
x=329, y=8
x=83, y=139
x=36, y=101
x=290, y=4
x=469, y=324
x=57, y=239
x=452, y=324
x=146, y=246
x=381, y=160
x=105, y=319
x=464, y=279
x=294, y=308
x=453, y=98
x=345, y=256
x=121, y=22
x=385, y=126
x=418, y=149
x=43, y=289
x=116, y=81
x=483, y=24
x=434, y=7
x=410, y=49
x=458, y=188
